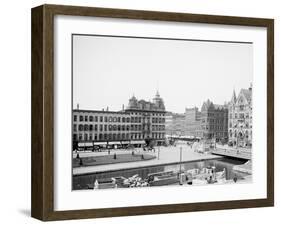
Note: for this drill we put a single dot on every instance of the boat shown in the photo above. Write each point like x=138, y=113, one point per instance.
x=205, y=175
x=121, y=181
x=134, y=181
x=162, y=178
x=105, y=183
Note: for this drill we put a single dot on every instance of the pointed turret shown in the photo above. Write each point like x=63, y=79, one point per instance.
x=233, y=99
x=158, y=101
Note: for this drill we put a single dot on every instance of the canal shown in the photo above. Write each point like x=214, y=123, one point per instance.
x=81, y=181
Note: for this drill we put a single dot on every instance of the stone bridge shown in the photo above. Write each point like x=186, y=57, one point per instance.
x=241, y=153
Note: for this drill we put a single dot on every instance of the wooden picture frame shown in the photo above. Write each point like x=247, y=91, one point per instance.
x=42, y=203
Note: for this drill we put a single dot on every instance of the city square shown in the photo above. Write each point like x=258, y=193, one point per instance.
x=199, y=134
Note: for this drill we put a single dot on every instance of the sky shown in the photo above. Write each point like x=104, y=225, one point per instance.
x=107, y=71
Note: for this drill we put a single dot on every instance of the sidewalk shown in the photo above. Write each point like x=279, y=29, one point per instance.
x=167, y=155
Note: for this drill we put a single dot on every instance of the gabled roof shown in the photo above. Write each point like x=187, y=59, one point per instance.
x=207, y=105
x=247, y=93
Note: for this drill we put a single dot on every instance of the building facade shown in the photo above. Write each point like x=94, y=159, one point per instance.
x=175, y=124
x=140, y=121
x=100, y=126
x=193, y=122
x=240, y=119
x=209, y=123
x=147, y=119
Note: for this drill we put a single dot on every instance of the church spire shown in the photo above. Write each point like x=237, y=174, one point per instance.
x=233, y=99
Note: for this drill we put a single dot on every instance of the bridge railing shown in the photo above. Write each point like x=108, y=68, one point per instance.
x=238, y=153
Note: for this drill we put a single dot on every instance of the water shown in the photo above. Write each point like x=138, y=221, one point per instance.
x=81, y=181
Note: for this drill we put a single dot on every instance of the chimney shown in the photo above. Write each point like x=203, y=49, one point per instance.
x=107, y=108
x=77, y=106
x=122, y=107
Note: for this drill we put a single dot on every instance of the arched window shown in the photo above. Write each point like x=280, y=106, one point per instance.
x=91, y=118
x=86, y=128
x=81, y=127
x=247, y=134
x=91, y=127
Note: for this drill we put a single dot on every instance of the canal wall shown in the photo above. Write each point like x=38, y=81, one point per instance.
x=113, y=168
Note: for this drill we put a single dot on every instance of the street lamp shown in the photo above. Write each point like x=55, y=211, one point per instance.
x=180, y=157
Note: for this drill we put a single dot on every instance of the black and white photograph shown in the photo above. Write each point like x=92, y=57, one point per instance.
x=160, y=112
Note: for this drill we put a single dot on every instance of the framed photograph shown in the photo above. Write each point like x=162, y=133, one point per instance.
x=142, y=112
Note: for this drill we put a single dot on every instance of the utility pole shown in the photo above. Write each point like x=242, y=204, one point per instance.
x=180, y=157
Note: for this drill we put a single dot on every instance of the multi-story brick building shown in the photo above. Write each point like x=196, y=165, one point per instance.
x=240, y=118
x=140, y=122
x=100, y=126
x=211, y=122
x=147, y=119
x=175, y=124
x=193, y=122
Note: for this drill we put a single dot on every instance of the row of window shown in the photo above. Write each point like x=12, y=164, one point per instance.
x=101, y=127
x=148, y=114
x=216, y=135
x=240, y=107
x=235, y=125
x=158, y=120
x=213, y=120
x=158, y=127
x=240, y=115
x=212, y=127
x=113, y=137
x=86, y=118
x=209, y=114
x=236, y=133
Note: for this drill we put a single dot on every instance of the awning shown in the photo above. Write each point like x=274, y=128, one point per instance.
x=86, y=144
x=114, y=142
x=137, y=142
x=100, y=143
x=125, y=142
